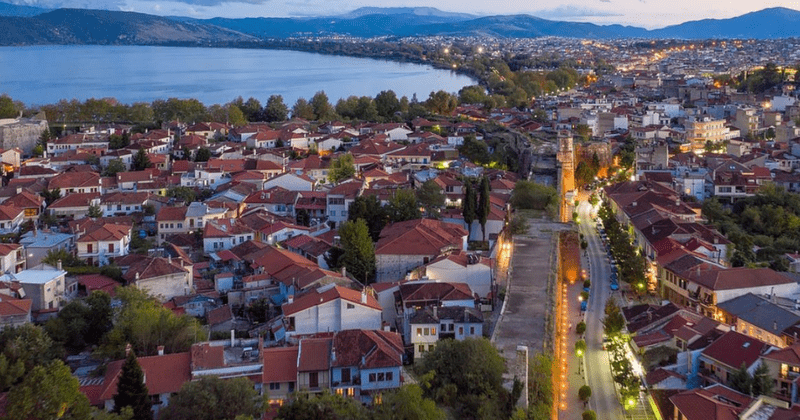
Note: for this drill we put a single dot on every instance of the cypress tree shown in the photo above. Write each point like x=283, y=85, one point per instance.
x=484, y=205
x=132, y=391
x=468, y=209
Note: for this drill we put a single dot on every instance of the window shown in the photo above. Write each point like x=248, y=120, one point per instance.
x=111, y=247
x=339, y=391
x=452, y=326
x=127, y=208
x=333, y=212
x=421, y=349
x=444, y=327
x=431, y=347
x=419, y=332
x=119, y=206
x=460, y=330
x=274, y=386
x=372, y=377
x=180, y=225
x=88, y=248
x=427, y=331
x=381, y=376
x=346, y=375
x=313, y=380
x=351, y=392
x=350, y=306
x=389, y=376
x=472, y=330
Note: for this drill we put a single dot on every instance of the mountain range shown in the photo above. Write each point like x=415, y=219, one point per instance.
x=24, y=25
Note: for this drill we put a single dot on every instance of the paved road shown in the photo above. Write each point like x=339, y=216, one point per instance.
x=604, y=398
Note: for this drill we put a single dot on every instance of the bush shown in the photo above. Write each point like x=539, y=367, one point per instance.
x=589, y=415
x=580, y=328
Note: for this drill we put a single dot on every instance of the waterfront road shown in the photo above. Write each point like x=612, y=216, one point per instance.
x=604, y=399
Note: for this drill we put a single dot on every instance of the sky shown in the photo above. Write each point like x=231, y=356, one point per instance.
x=650, y=14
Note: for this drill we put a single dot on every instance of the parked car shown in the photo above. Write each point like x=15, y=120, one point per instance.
x=614, y=286
x=583, y=305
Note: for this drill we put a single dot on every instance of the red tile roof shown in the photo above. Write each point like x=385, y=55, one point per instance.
x=280, y=364
x=314, y=354
x=420, y=237
x=74, y=200
x=219, y=315
x=8, y=212
x=706, y=404
x=172, y=214
x=148, y=268
x=11, y=306
x=367, y=349
x=738, y=278
x=94, y=282
x=163, y=374
x=314, y=297
x=734, y=348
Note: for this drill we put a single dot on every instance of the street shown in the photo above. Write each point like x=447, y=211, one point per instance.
x=604, y=399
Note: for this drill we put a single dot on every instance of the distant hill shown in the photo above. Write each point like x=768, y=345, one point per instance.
x=81, y=26
x=777, y=22
x=7, y=9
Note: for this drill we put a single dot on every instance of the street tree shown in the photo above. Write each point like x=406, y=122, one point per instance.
x=275, y=110
x=580, y=328
x=342, y=168
x=584, y=393
x=484, y=205
x=212, y=398
x=132, y=391
x=589, y=415
x=48, y=392
x=359, y=252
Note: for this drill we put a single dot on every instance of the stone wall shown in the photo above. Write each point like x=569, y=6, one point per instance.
x=23, y=133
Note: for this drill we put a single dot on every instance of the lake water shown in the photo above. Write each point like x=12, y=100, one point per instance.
x=45, y=74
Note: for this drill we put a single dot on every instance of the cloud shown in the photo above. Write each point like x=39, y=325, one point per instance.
x=571, y=12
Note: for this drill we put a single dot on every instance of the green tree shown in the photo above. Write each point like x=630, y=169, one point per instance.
x=67, y=259
x=403, y=206
x=321, y=106
x=303, y=109
x=275, y=110
x=334, y=258
x=484, y=205
x=369, y=209
x=145, y=324
x=117, y=141
x=473, y=94
x=530, y=195
x=140, y=161
x=741, y=380
x=51, y=195
x=407, y=403
x=8, y=107
x=430, y=197
x=212, y=398
x=302, y=218
x=387, y=104
x=132, y=391
x=114, y=167
x=341, y=168
x=184, y=194
x=467, y=375
x=251, y=109
x=441, y=103
x=540, y=385
x=187, y=110
x=203, y=155
x=584, y=393
x=589, y=415
x=322, y=406
x=469, y=205
x=359, y=252
x=580, y=328
x=21, y=349
x=48, y=392
x=762, y=381
x=475, y=150
x=94, y=211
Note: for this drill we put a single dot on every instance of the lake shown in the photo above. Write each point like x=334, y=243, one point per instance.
x=38, y=75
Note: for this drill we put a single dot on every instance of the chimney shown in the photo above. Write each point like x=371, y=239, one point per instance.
x=127, y=349
x=233, y=338
x=436, y=312
x=160, y=350
x=58, y=265
x=364, y=296
x=774, y=325
x=344, y=271
x=291, y=299
x=137, y=276
x=677, y=202
x=633, y=204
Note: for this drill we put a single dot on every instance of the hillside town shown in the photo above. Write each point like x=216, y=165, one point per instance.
x=331, y=256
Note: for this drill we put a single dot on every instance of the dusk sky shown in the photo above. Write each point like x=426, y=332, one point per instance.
x=648, y=14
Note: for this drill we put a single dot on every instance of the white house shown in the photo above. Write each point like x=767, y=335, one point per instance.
x=225, y=234
x=47, y=288
x=10, y=218
x=331, y=308
x=461, y=267
x=429, y=325
x=291, y=182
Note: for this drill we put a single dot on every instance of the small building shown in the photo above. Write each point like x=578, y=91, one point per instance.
x=430, y=325
x=46, y=287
